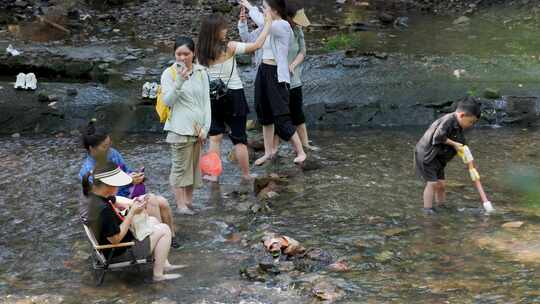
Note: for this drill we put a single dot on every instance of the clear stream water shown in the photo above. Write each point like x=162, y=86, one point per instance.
x=363, y=205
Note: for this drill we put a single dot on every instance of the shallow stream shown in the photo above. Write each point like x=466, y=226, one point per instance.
x=363, y=206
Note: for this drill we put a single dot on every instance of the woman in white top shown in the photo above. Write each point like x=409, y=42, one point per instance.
x=273, y=77
x=230, y=109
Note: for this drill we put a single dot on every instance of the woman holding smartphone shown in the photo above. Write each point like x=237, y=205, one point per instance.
x=187, y=95
x=109, y=226
x=230, y=110
x=273, y=76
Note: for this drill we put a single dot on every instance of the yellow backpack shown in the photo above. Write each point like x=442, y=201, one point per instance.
x=162, y=109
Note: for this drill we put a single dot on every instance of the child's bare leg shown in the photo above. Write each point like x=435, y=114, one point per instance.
x=429, y=193
x=440, y=193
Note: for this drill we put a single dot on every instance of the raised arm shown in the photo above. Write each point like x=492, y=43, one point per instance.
x=254, y=13
x=243, y=29
x=250, y=47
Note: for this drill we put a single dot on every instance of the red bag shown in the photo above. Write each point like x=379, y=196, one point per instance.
x=211, y=164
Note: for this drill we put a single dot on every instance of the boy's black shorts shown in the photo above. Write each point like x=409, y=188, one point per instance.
x=429, y=172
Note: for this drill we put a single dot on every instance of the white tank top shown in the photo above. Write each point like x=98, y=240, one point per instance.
x=268, y=54
x=223, y=70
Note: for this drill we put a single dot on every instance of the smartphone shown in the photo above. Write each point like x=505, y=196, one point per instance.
x=141, y=170
x=180, y=65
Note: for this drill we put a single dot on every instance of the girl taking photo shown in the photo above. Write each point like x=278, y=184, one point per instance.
x=273, y=76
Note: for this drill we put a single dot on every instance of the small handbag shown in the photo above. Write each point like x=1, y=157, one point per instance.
x=218, y=88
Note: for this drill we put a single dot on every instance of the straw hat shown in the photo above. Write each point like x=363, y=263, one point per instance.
x=301, y=19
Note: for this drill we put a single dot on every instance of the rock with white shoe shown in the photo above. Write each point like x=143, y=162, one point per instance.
x=145, y=90
x=20, y=82
x=12, y=51
x=153, y=91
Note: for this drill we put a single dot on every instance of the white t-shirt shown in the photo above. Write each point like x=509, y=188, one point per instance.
x=223, y=70
x=268, y=54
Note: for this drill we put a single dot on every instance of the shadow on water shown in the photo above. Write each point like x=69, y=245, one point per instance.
x=363, y=206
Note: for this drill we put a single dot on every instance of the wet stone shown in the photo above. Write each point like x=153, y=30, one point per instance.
x=164, y=301
x=327, y=291
x=384, y=256
x=513, y=225
x=253, y=273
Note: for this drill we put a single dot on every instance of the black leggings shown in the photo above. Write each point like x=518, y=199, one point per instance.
x=272, y=102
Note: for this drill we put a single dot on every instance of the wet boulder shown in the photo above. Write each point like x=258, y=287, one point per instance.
x=521, y=110
x=327, y=291
x=314, y=259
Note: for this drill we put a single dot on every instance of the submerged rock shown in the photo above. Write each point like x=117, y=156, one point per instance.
x=461, y=20
x=327, y=291
x=384, y=256
x=511, y=225
x=339, y=266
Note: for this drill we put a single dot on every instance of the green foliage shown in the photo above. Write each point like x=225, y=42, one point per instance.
x=341, y=42
x=473, y=92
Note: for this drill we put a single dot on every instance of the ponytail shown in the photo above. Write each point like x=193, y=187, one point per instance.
x=93, y=136
x=86, y=184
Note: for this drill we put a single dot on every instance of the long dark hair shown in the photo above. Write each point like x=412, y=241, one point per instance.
x=184, y=41
x=100, y=167
x=92, y=135
x=280, y=6
x=210, y=46
x=292, y=8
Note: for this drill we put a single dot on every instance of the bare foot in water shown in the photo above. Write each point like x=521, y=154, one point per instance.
x=165, y=277
x=211, y=178
x=171, y=267
x=300, y=158
x=264, y=159
x=184, y=211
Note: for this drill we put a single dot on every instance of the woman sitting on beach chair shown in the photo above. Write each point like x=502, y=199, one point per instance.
x=98, y=144
x=110, y=226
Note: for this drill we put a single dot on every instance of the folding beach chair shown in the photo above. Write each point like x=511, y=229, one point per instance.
x=101, y=264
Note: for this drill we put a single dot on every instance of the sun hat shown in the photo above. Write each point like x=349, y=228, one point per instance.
x=113, y=177
x=301, y=19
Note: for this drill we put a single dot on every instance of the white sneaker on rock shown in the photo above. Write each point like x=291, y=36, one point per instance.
x=31, y=82
x=21, y=79
x=145, y=89
x=153, y=90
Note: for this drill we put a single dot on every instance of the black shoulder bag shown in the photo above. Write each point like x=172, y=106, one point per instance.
x=218, y=88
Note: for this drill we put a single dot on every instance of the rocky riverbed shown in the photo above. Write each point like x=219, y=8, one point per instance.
x=357, y=214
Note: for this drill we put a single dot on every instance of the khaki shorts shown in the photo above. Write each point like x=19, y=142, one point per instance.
x=185, y=169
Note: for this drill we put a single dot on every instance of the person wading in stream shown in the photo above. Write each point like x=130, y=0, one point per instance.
x=271, y=92
x=297, y=53
x=439, y=144
x=188, y=97
x=231, y=108
x=111, y=227
x=98, y=145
